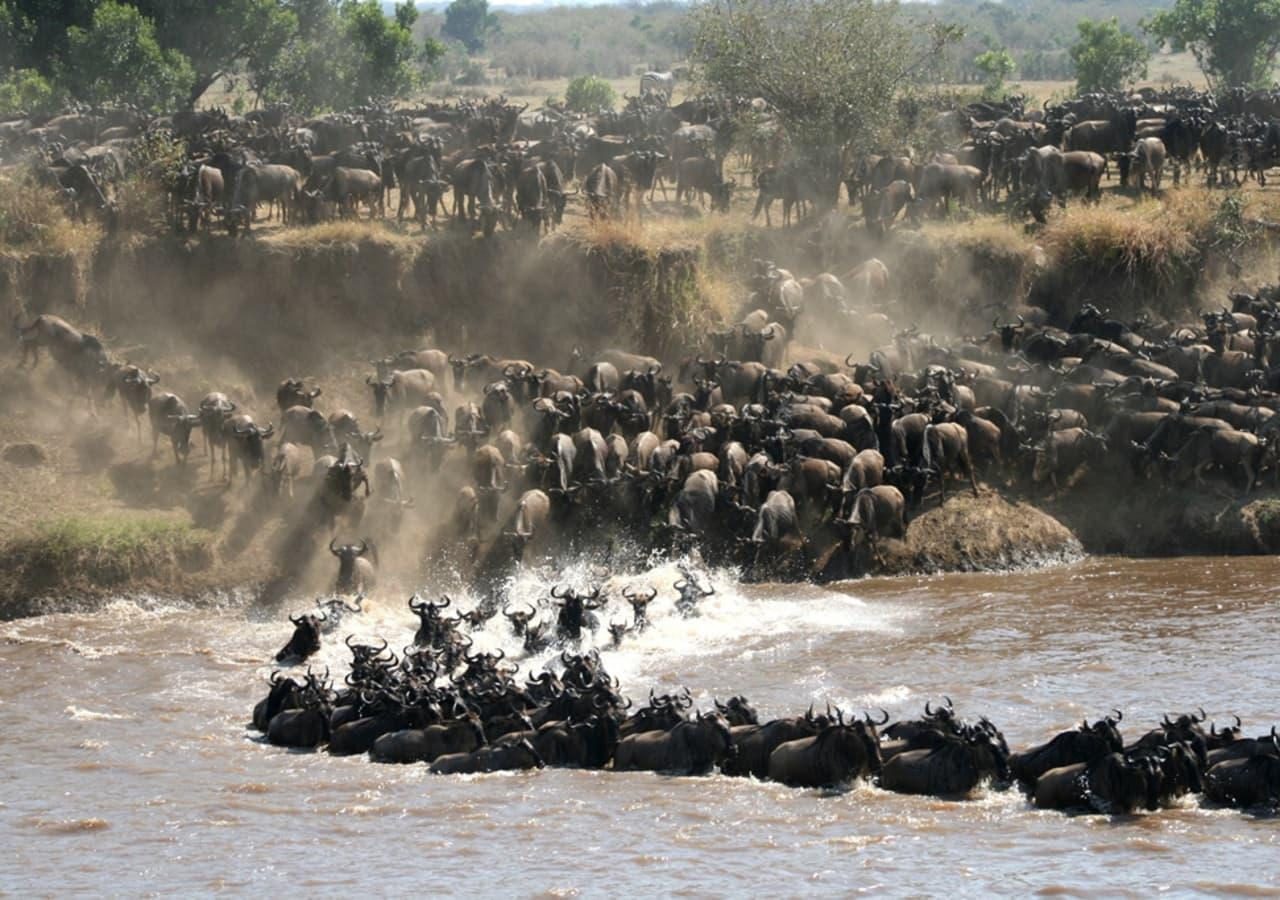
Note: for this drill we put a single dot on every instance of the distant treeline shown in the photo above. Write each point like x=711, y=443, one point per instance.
x=614, y=41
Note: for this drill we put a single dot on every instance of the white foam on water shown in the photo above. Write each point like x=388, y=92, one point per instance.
x=737, y=619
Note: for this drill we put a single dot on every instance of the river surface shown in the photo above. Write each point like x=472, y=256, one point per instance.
x=127, y=769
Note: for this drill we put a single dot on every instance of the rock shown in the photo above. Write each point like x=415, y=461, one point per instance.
x=25, y=454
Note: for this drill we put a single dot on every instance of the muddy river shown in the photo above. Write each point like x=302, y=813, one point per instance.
x=127, y=768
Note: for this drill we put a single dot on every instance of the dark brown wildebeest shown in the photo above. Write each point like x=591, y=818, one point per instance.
x=700, y=176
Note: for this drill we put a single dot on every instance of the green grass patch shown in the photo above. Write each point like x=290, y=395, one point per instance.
x=85, y=555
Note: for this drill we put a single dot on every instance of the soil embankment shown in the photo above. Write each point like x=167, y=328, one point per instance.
x=91, y=512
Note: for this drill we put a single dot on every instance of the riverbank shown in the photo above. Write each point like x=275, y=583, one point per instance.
x=92, y=513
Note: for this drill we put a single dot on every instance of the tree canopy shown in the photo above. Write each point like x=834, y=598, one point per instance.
x=1235, y=42
x=119, y=58
x=1106, y=57
x=469, y=21
x=831, y=68
x=314, y=53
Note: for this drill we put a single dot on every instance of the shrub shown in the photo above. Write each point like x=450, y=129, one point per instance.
x=587, y=93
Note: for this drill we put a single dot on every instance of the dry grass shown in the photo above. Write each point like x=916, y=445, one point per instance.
x=1158, y=236
x=345, y=232
x=32, y=220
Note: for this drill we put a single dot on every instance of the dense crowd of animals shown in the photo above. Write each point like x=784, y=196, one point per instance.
x=461, y=712
x=755, y=453
x=506, y=164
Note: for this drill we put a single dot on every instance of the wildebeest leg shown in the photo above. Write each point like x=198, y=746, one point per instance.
x=968, y=467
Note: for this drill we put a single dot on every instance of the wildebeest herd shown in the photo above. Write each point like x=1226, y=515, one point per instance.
x=783, y=462
x=459, y=712
x=506, y=164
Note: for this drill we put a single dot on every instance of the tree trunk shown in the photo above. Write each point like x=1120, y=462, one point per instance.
x=202, y=84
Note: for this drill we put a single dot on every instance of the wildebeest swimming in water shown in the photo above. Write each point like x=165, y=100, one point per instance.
x=466, y=712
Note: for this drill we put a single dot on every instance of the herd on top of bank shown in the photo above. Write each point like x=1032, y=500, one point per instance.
x=508, y=165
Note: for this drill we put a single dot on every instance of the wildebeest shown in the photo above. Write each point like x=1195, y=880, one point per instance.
x=700, y=176
x=245, y=444
x=357, y=566
x=693, y=747
x=603, y=190
x=499, y=757
x=169, y=417
x=1081, y=745
x=1114, y=783
x=836, y=755
x=954, y=766
x=304, y=641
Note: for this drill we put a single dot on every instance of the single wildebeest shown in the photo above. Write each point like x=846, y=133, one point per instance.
x=293, y=392
x=694, y=747
x=837, y=755
x=245, y=444
x=215, y=410
x=1080, y=745
x=700, y=176
x=428, y=744
x=304, y=641
x=955, y=766
x=287, y=467
x=603, y=190
x=1148, y=157
x=1113, y=783
x=357, y=572
x=169, y=417
x=401, y=391
x=499, y=757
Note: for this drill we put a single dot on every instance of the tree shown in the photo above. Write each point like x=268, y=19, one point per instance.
x=833, y=69
x=381, y=50
x=216, y=37
x=587, y=93
x=1106, y=57
x=118, y=57
x=341, y=55
x=469, y=21
x=26, y=91
x=33, y=33
x=1235, y=42
x=995, y=66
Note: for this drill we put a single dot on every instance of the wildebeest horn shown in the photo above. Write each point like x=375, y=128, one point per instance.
x=1237, y=718
x=1117, y=715
x=332, y=549
x=296, y=620
x=883, y=721
x=1202, y=717
x=364, y=548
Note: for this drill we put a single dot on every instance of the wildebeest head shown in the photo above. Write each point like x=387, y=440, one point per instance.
x=250, y=438
x=347, y=473
x=293, y=392
x=381, y=386
x=180, y=433
x=738, y=711
x=347, y=555
x=305, y=640
x=639, y=604
x=520, y=620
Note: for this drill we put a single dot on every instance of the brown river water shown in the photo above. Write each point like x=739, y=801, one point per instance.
x=127, y=769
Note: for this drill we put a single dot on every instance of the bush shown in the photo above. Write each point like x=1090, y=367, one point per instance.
x=472, y=74
x=26, y=91
x=587, y=93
